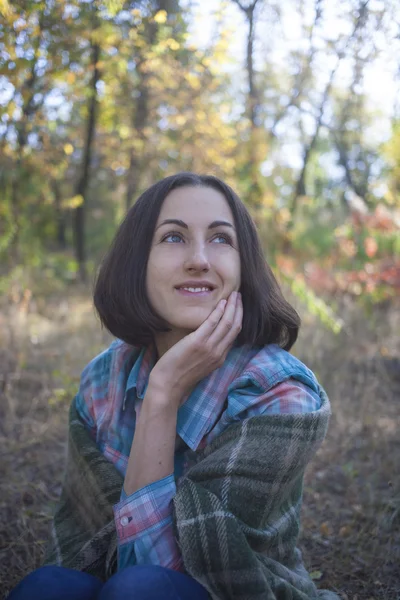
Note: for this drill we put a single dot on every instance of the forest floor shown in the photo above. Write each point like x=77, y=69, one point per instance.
x=351, y=511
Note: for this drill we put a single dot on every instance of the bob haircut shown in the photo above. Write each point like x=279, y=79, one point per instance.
x=120, y=297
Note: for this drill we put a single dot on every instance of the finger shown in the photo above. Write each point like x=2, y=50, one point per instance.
x=208, y=326
x=226, y=332
x=230, y=324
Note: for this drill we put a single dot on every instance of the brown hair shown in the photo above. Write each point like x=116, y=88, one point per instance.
x=120, y=295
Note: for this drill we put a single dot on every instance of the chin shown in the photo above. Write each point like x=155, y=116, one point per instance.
x=189, y=323
x=189, y=317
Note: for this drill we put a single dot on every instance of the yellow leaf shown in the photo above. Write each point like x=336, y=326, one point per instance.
x=124, y=132
x=316, y=575
x=193, y=81
x=5, y=8
x=283, y=215
x=173, y=44
x=344, y=531
x=324, y=529
x=114, y=6
x=68, y=149
x=160, y=17
x=73, y=202
x=201, y=115
x=268, y=199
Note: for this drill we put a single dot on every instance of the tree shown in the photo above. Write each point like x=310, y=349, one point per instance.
x=251, y=168
x=83, y=179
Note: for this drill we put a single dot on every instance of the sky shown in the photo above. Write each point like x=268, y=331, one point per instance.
x=380, y=77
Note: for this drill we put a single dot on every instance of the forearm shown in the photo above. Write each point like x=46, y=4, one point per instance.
x=152, y=452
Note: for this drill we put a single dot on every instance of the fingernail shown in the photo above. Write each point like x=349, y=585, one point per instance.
x=223, y=303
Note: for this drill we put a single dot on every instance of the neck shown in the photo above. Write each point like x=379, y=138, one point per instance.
x=165, y=341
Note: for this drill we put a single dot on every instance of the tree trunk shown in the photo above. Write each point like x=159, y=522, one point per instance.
x=300, y=186
x=60, y=217
x=253, y=103
x=83, y=181
x=139, y=122
x=360, y=190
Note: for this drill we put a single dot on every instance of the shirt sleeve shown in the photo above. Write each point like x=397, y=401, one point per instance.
x=144, y=526
x=289, y=397
x=88, y=394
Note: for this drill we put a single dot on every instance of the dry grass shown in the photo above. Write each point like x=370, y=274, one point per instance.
x=351, y=509
x=351, y=512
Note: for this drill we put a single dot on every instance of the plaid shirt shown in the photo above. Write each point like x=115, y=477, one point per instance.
x=251, y=382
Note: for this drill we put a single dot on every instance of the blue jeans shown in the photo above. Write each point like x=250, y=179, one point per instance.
x=145, y=582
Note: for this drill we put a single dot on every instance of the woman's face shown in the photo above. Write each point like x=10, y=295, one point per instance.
x=191, y=252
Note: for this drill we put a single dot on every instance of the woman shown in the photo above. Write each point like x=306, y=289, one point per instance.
x=189, y=435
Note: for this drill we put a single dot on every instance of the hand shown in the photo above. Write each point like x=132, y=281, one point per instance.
x=199, y=353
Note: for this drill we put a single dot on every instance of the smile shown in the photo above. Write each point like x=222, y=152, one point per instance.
x=197, y=292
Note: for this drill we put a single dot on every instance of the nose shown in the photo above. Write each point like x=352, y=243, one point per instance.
x=197, y=259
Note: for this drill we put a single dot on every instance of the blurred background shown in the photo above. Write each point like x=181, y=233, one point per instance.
x=295, y=104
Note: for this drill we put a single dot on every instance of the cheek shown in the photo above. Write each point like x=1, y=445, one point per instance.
x=156, y=264
x=152, y=277
x=231, y=271
x=159, y=273
x=163, y=258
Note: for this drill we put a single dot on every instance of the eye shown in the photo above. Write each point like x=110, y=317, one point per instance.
x=173, y=234
x=227, y=238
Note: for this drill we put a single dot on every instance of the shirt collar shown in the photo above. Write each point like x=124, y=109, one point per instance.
x=201, y=408
x=140, y=373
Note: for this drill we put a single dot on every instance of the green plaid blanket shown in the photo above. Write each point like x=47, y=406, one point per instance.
x=236, y=511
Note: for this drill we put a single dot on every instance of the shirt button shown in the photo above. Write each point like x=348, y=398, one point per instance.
x=124, y=521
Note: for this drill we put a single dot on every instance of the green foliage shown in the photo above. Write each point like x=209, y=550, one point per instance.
x=315, y=305
x=313, y=238
x=41, y=273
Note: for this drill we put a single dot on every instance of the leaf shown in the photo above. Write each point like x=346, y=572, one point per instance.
x=72, y=202
x=324, y=529
x=370, y=246
x=114, y=6
x=160, y=17
x=173, y=44
x=344, y=531
x=316, y=575
x=315, y=305
x=5, y=8
x=68, y=149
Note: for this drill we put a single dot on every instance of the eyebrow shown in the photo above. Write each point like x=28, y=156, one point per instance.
x=184, y=225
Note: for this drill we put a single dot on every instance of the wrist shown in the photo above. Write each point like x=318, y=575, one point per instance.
x=162, y=395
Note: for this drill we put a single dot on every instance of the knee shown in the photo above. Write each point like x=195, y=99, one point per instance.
x=44, y=574
x=34, y=580
x=52, y=581
x=140, y=581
